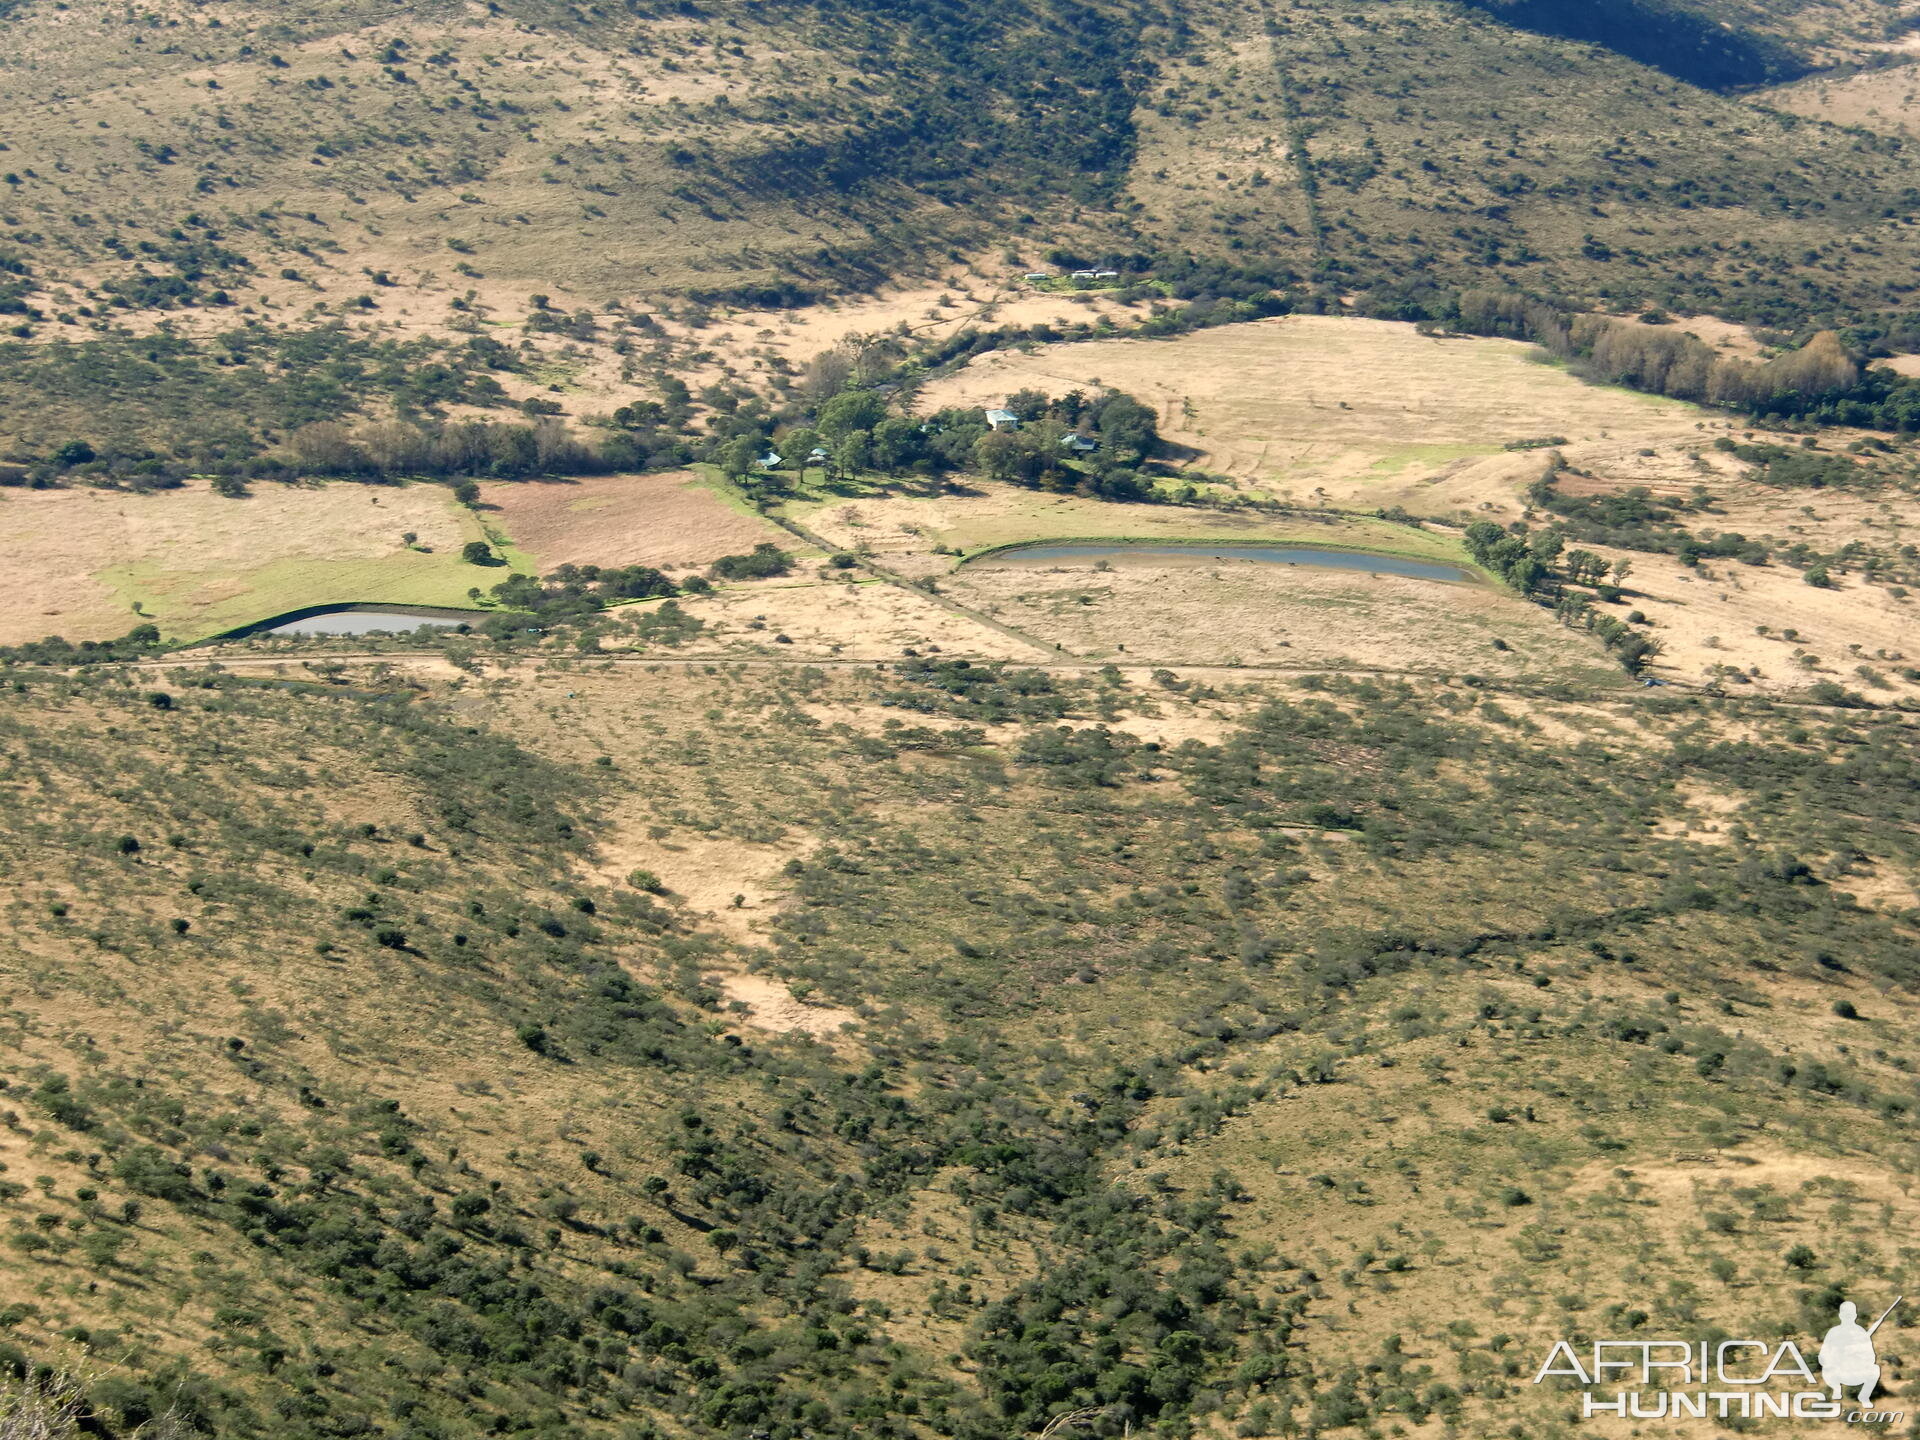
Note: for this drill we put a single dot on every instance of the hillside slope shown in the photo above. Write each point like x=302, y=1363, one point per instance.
x=221, y=223
x=321, y=153
x=1238, y=1085
x=599, y=153
x=1395, y=147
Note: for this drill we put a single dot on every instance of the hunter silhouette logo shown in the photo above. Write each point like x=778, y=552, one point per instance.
x=1847, y=1356
x=1744, y=1379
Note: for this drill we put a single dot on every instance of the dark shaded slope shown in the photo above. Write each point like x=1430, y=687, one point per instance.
x=1676, y=39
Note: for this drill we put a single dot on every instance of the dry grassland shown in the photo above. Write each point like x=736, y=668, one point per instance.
x=669, y=521
x=91, y=564
x=1711, y=615
x=1358, y=413
x=1205, y=611
x=576, y=200
x=1423, y=1240
x=980, y=295
x=1884, y=100
x=903, y=529
x=782, y=620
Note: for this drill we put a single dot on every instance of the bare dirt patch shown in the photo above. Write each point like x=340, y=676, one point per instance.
x=662, y=520
x=1690, y=1177
x=1709, y=814
x=1881, y=887
x=720, y=881
x=772, y=1006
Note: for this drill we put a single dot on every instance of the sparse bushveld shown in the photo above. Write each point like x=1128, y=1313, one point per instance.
x=740, y=722
x=1184, y=1030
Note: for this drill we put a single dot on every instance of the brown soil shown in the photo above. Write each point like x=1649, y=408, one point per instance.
x=772, y=1006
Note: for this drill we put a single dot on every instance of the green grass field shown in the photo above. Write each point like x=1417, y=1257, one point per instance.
x=90, y=564
x=172, y=597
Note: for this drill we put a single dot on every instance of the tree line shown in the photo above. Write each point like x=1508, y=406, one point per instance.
x=1076, y=442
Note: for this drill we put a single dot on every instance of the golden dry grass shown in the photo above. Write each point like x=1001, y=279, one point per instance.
x=983, y=294
x=782, y=620
x=1198, y=610
x=903, y=530
x=1361, y=413
x=1886, y=100
x=91, y=564
x=1711, y=615
x=665, y=520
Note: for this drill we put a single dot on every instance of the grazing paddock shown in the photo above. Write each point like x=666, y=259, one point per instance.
x=671, y=521
x=92, y=564
x=1360, y=413
x=1160, y=609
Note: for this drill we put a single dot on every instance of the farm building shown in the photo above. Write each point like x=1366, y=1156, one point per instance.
x=1002, y=420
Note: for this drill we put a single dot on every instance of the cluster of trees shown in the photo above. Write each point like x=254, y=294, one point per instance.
x=1664, y=361
x=1047, y=451
x=1073, y=443
x=508, y=450
x=763, y=562
x=576, y=592
x=1536, y=563
x=851, y=433
x=1636, y=519
x=1634, y=649
x=144, y=411
x=1795, y=467
x=140, y=641
x=1523, y=560
x=593, y=584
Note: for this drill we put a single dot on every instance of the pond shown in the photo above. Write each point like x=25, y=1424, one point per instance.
x=368, y=620
x=1262, y=554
